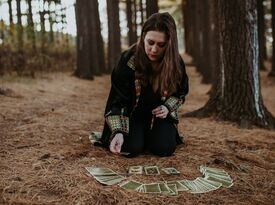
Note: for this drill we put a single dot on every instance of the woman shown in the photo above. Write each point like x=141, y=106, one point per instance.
x=148, y=86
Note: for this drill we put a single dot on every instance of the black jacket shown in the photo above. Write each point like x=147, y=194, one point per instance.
x=124, y=95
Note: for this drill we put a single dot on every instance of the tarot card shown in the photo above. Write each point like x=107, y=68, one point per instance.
x=100, y=171
x=170, y=170
x=135, y=170
x=224, y=182
x=95, y=137
x=164, y=188
x=204, y=169
x=180, y=186
x=210, y=184
x=222, y=176
x=116, y=180
x=173, y=189
x=109, y=179
x=141, y=189
x=124, y=153
x=130, y=185
x=190, y=185
x=151, y=170
x=152, y=188
x=200, y=187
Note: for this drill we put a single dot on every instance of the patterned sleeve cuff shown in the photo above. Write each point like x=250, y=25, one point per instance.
x=173, y=103
x=118, y=123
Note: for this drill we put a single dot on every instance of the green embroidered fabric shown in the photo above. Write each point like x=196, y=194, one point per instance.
x=173, y=104
x=118, y=123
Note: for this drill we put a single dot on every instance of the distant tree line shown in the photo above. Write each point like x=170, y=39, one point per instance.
x=25, y=48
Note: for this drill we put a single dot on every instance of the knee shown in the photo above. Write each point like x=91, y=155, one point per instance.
x=133, y=149
x=163, y=150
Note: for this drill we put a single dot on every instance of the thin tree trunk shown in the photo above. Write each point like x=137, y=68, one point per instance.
x=141, y=12
x=19, y=26
x=43, y=30
x=114, y=48
x=151, y=7
x=31, y=31
x=189, y=27
x=83, y=69
x=205, y=29
x=97, y=51
x=51, y=22
x=237, y=95
x=129, y=13
x=135, y=20
x=272, y=72
x=261, y=34
x=11, y=19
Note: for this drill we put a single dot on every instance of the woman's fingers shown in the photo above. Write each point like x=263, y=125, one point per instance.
x=112, y=146
x=160, y=112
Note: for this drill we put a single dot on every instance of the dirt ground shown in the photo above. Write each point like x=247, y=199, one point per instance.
x=44, y=149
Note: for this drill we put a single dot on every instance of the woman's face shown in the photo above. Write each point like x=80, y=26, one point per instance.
x=155, y=45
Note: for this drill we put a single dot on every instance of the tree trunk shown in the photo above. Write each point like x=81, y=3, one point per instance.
x=188, y=20
x=11, y=19
x=261, y=34
x=135, y=20
x=97, y=51
x=206, y=55
x=141, y=12
x=198, y=34
x=19, y=26
x=236, y=96
x=151, y=7
x=114, y=48
x=42, y=24
x=51, y=22
x=130, y=23
x=212, y=39
x=83, y=48
x=272, y=72
x=31, y=31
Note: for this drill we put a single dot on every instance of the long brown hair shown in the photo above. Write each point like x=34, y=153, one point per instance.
x=168, y=74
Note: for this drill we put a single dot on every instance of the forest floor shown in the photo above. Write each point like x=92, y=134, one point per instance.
x=44, y=149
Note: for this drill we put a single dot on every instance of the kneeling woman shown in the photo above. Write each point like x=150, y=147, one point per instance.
x=149, y=85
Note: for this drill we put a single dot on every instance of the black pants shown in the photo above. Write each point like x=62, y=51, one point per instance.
x=160, y=140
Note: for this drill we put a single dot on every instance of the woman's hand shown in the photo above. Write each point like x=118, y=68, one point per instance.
x=116, y=143
x=161, y=111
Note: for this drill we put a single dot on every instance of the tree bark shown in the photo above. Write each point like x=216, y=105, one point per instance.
x=151, y=7
x=31, y=31
x=261, y=34
x=11, y=19
x=97, y=51
x=141, y=12
x=51, y=22
x=132, y=36
x=188, y=20
x=114, y=48
x=19, y=26
x=90, y=54
x=237, y=95
x=42, y=24
x=83, y=48
x=272, y=72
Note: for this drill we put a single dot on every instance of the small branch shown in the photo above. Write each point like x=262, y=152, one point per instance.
x=27, y=146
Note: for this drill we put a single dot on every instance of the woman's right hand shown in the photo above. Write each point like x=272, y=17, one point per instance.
x=116, y=143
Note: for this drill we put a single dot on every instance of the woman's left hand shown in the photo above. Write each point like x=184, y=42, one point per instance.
x=161, y=111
